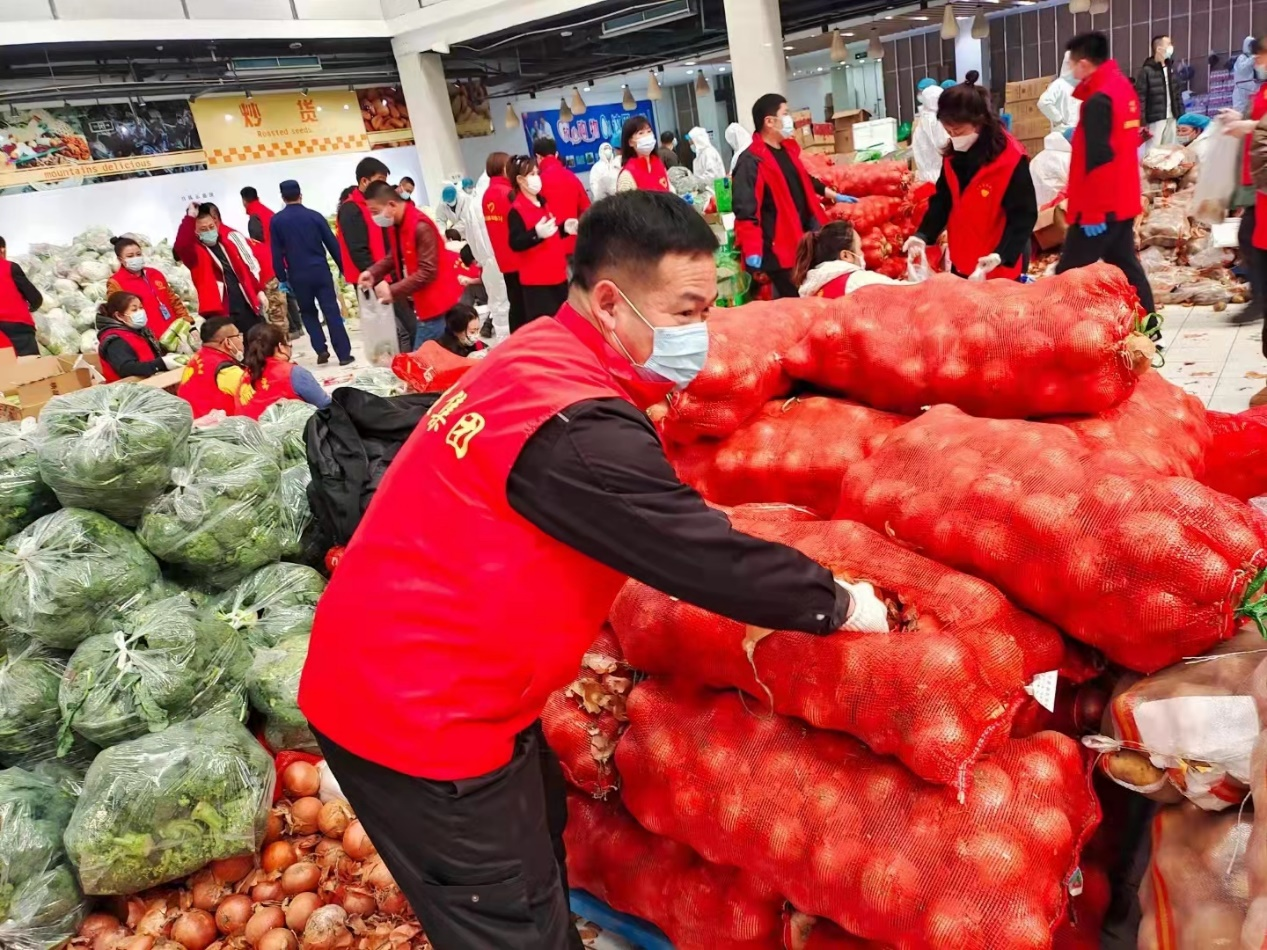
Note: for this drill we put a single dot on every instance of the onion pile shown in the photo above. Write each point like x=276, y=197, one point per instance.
x=317, y=884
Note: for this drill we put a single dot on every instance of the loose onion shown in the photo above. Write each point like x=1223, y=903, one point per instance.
x=194, y=929
x=276, y=826
x=278, y=856
x=112, y=938
x=304, y=813
x=304, y=876
x=334, y=819
x=299, y=909
x=326, y=928
x=280, y=939
x=157, y=920
x=232, y=870
x=391, y=901
x=262, y=921
x=95, y=924
x=356, y=900
x=266, y=891
x=232, y=915
x=375, y=873
x=206, y=891
x=326, y=845
x=356, y=842
x=301, y=779
x=140, y=942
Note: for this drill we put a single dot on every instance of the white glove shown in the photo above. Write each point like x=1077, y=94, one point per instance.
x=988, y=263
x=914, y=246
x=868, y=613
x=570, y=226
x=547, y=228
x=171, y=362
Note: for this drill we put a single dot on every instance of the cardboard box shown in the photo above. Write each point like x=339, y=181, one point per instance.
x=1050, y=228
x=1025, y=109
x=27, y=383
x=1034, y=127
x=1026, y=89
x=802, y=117
x=827, y=149
x=1033, y=146
x=843, y=123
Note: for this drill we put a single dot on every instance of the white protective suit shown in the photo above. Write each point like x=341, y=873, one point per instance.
x=482, y=247
x=1057, y=102
x=1050, y=168
x=738, y=138
x=1244, y=83
x=928, y=137
x=450, y=215
x=605, y=172
x=708, y=166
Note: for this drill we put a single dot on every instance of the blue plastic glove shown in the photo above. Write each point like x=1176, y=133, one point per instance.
x=285, y=288
x=1094, y=230
x=753, y=261
x=689, y=199
x=846, y=200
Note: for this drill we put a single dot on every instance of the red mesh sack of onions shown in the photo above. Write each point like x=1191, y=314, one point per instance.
x=1195, y=893
x=1147, y=569
x=1237, y=460
x=803, y=932
x=891, y=179
x=699, y=906
x=583, y=721
x=966, y=654
x=743, y=372
x=1158, y=428
x=1066, y=345
x=431, y=368
x=794, y=451
x=854, y=837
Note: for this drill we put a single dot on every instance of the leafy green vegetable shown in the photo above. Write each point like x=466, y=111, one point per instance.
x=112, y=448
x=285, y=422
x=380, y=381
x=168, y=662
x=275, y=602
x=23, y=494
x=273, y=685
x=222, y=518
x=29, y=680
x=158, y=808
x=299, y=531
x=64, y=573
x=239, y=430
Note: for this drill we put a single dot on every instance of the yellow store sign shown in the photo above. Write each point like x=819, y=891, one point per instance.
x=279, y=126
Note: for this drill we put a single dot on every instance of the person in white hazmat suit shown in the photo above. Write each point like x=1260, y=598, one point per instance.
x=1057, y=102
x=1050, y=168
x=708, y=166
x=738, y=138
x=482, y=247
x=453, y=202
x=1195, y=132
x=928, y=137
x=605, y=172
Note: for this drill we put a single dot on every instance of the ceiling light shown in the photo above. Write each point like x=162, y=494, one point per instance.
x=295, y=45
x=578, y=104
x=846, y=33
x=701, y=84
x=888, y=18
x=227, y=117
x=839, y=52
x=627, y=101
x=949, y=25
x=1099, y=6
x=721, y=69
x=875, y=49
x=653, y=88
x=789, y=48
x=321, y=108
x=303, y=90
x=689, y=62
x=248, y=95
x=512, y=120
x=690, y=72
x=1079, y=6
x=565, y=114
x=980, y=26
x=820, y=69
x=565, y=33
x=925, y=18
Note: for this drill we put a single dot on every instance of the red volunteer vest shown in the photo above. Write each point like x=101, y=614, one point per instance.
x=264, y=255
x=649, y=173
x=1257, y=109
x=435, y=299
x=496, y=208
x=265, y=214
x=13, y=306
x=564, y=193
x=976, y=221
x=207, y=273
x=156, y=296
x=835, y=289
x=142, y=347
x=545, y=264
x=273, y=386
x=198, y=385
x=1113, y=189
x=774, y=196
x=447, y=675
x=379, y=245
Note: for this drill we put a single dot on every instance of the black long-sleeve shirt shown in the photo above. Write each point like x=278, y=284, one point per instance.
x=595, y=478
x=1096, y=119
x=1019, y=209
x=30, y=293
x=521, y=237
x=356, y=235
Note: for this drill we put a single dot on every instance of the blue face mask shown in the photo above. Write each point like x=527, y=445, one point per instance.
x=139, y=319
x=677, y=353
x=209, y=238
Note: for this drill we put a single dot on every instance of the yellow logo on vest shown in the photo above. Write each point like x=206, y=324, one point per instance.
x=437, y=418
x=463, y=431
x=985, y=191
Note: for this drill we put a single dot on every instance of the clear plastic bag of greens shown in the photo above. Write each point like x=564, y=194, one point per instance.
x=23, y=494
x=112, y=448
x=29, y=715
x=166, y=663
x=380, y=381
x=284, y=422
x=273, y=685
x=40, y=902
x=69, y=570
x=298, y=531
x=275, y=602
x=236, y=430
x=158, y=808
x=222, y=517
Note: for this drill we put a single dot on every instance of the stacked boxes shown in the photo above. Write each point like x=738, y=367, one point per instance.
x=1021, y=103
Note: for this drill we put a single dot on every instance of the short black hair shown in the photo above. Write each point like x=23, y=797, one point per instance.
x=346, y=193
x=1093, y=47
x=409, y=180
x=768, y=105
x=545, y=146
x=212, y=326
x=1158, y=38
x=634, y=230
x=668, y=137
x=250, y=194
x=206, y=210
x=369, y=167
x=3, y=245
x=381, y=191
x=459, y=317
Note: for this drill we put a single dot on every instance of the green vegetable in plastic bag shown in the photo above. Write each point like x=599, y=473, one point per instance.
x=158, y=808
x=380, y=381
x=23, y=494
x=238, y=430
x=275, y=602
x=273, y=685
x=222, y=518
x=299, y=540
x=112, y=448
x=168, y=662
x=64, y=573
x=285, y=422
x=29, y=714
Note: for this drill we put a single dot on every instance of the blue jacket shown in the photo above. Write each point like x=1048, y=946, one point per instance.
x=301, y=239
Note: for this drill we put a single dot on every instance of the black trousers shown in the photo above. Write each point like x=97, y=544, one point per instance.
x=515, y=295
x=481, y=860
x=1115, y=246
x=1255, y=262
x=22, y=336
x=781, y=280
x=541, y=302
x=406, y=324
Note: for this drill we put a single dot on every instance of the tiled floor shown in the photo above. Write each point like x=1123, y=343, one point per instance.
x=1212, y=357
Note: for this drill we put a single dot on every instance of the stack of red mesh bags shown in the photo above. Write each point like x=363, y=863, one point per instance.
x=431, y=368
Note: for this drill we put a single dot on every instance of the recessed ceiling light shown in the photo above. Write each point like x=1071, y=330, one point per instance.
x=846, y=34
x=722, y=69
x=919, y=18
x=690, y=62
x=789, y=48
x=566, y=33
x=888, y=18
x=296, y=45
x=820, y=69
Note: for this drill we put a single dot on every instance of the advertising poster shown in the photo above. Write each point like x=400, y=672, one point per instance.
x=279, y=126
x=579, y=139
x=472, y=110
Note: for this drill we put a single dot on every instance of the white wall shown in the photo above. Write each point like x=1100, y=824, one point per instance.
x=154, y=206
x=810, y=93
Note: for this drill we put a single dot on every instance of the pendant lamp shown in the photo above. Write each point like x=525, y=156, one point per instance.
x=949, y=25
x=627, y=101
x=701, y=84
x=578, y=104
x=875, y=49
x=839, y=51
x=653, y=87
x=512, y=120
x=1099, y=6
x=1079, y=6
x=980, y=26
x=565, y=114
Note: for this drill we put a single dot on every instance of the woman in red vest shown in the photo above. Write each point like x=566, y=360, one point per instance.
x=161, y=304
x=641, y=168
x=537, y=238
x=1252, y=228
x=496, y=202
x=214, y=374
x=270, y=375
x=985, y=197
x=124, y=342
x=19, y=299
x=829, y=263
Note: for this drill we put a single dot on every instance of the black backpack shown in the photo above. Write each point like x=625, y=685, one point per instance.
x=350, y=444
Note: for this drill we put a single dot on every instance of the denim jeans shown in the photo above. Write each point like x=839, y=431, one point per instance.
x=431, y=329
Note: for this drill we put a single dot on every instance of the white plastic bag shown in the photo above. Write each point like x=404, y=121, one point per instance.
x=378, y=328
x=917, y=269
x=1218, y=179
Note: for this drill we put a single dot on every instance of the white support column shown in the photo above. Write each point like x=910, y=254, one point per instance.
x=435, y=137
x=755, y=34
x=969, y=52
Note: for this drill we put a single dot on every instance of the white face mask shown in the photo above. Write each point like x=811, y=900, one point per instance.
x=139, y=319
x=134, y=264
x=532, y=184
x=209, y=238
x=677, y=353
x=788, y=129
x=384, y=220
x=962, y=143
x=645, y=143
x=1169, y=52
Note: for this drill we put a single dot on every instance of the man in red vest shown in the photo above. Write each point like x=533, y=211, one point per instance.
x=544, y=486
x=1104, y=183
x=259, y=216
x=19, y=298
x=420, y=271
x=561, y=189
x=213, y=375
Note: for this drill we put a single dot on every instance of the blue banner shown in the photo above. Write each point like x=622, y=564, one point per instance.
x=579, y=139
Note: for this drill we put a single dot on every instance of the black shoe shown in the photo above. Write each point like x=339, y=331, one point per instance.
x=323, y=359
x=1252, y=313
x=487, y=331
x=347, y=362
